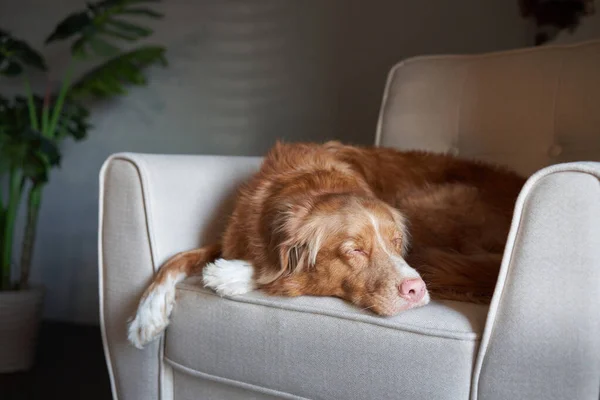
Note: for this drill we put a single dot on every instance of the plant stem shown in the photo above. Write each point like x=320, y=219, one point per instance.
x=2, y=226
x=60, y=101
x=9, y=225
x=46, y=109
x=33, y=120
x=33, y=209
x=1, y=205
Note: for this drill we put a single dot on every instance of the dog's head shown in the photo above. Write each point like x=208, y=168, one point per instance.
x=349, y=247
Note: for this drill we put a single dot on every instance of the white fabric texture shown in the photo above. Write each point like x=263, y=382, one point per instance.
x=325, y=348
x=193, y=386
x=151, y=207
x=527, y=108
x=126, y=267
x=542, y=336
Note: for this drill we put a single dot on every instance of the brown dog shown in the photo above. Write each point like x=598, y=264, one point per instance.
x=378, y=227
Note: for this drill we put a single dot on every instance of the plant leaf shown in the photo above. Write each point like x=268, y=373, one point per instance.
x=110, y=78
x=73, y=24
x=49, y=150
x=119, y=35
x=12, y=69
x=128, y=28
x=143, y=12
x=73, y=121
x=103, y=48
x=15, y=54
x=98, y=27
x=27, y=149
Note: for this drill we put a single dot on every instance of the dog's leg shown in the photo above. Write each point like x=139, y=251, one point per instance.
x=454, y=276
x=156, y=304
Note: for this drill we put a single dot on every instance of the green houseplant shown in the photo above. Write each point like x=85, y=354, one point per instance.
x=32, y=128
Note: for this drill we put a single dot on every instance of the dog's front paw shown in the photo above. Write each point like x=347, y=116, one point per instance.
x=229, y=277
x=152, y=316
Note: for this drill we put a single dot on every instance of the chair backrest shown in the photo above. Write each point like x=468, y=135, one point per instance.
x=525, y=108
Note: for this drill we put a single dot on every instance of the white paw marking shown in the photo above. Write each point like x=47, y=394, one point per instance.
x=152, y=316
x=229, y=277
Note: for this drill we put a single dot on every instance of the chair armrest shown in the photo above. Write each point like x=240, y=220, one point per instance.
x=542, y=336
x=151, y=207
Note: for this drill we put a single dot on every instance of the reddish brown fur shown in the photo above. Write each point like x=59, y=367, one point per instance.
x=457, y=212
x=187, y=263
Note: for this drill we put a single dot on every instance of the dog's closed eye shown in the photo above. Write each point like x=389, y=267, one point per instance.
x=357, y=251
x=352, y=248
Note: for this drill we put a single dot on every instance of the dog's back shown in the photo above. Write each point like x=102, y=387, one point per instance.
x=458, y=211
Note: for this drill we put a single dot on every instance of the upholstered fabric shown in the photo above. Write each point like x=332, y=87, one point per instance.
x=325, y=348
x=189, y=385
x=526, y=108
x=125, y=268
x=539, y=340
x=542, y=337
x=152, y=206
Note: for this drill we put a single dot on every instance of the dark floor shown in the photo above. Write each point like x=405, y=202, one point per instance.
x=70, y=365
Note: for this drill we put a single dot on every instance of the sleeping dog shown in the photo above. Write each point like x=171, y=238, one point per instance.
x=381, y=228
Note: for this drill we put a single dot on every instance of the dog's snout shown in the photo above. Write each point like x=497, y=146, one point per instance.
x=412, y=290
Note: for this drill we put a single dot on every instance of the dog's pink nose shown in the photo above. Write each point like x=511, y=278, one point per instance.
x=412, y=289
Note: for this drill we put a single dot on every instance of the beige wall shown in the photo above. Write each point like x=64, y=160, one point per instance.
x=242, y=73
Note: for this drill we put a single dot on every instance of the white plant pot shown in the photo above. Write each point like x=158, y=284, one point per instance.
x=20, y=315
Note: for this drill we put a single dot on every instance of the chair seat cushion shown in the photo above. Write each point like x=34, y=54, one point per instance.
x=319, y=347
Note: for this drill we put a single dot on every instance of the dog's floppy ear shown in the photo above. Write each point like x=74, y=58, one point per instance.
x=293, y=257
x=285, y=252
x=300, y=252
x=296, y=240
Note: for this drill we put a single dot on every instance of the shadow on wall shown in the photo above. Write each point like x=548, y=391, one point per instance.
x=242, y=73
x=315, y=70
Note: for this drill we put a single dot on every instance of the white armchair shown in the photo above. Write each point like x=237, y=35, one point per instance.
x=532, y=109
